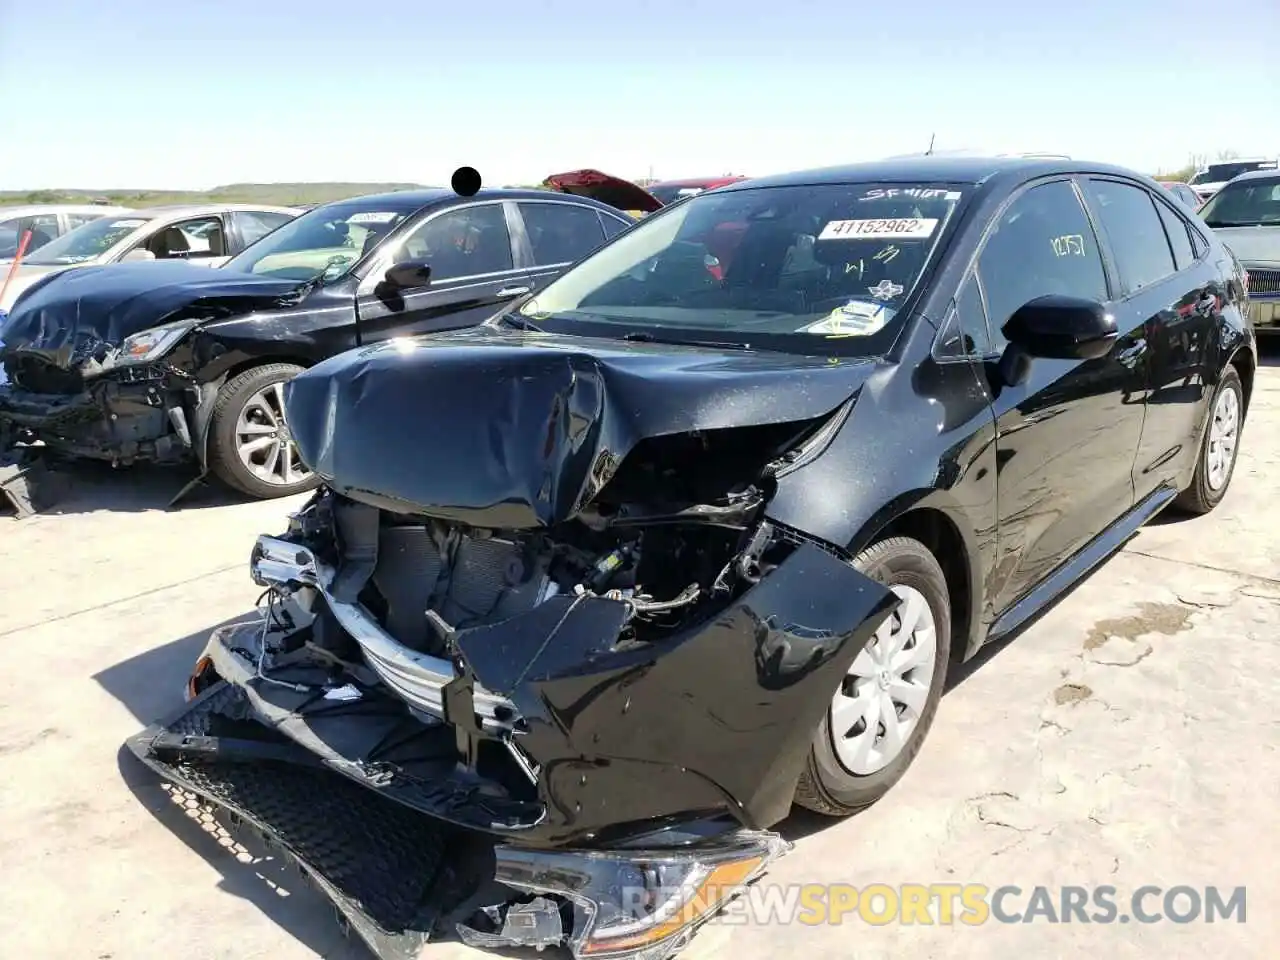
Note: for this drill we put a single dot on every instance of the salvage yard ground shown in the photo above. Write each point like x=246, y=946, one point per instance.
x=1128, y=738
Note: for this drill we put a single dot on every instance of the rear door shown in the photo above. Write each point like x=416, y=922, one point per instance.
x=476, y=268
x=1066, y=437
x=1166, y=282
x=559, y=233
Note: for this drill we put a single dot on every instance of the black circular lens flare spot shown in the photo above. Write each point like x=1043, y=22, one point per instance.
x=466, y=181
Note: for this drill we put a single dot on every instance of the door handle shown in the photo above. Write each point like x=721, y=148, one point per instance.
x=513, y=291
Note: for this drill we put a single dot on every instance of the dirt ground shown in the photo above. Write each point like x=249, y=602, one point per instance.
x=1128, y=738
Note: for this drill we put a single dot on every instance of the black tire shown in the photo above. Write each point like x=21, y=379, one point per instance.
x=1200, y=497
x=224, y=461
x=825, y=785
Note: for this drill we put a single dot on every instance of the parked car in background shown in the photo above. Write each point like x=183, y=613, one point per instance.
x=1184, y=192
x=1210, y=179
x=46, y=222
x=656, y=553
x=172, y=362
x=669, y=191
x=1246, y=215
x=205, y=234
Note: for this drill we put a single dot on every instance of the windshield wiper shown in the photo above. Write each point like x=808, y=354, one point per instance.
x=645, y=336
x=520, y=323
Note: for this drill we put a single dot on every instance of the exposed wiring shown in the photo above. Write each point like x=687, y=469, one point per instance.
x=268, y=618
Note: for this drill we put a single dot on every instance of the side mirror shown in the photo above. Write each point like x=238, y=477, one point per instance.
x=1062, y=328
x=137, y=255
x=408, y=275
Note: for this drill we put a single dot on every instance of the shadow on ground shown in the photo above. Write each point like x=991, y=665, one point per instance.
x=89, y=487
x=150, y=686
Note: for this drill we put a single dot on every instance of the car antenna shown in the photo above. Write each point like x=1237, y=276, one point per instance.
x=929, y=152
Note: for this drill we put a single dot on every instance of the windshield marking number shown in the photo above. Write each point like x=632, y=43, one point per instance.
x=898, y=228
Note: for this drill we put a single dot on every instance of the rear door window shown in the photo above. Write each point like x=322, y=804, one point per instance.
x=1135, y=232
x=560, y=233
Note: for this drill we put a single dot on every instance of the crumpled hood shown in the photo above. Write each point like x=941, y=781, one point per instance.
x=511, y=429
x=1252, y=244
x=66, y=317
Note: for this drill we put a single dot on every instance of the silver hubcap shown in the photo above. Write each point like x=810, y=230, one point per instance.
x=885, y=692
x=1223, y=431
x=263, y=440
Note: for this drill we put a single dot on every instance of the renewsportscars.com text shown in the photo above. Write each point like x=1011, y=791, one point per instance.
x=976, y=904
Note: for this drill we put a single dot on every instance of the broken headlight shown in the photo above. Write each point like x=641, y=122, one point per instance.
x=151, y=345
x=642, y=905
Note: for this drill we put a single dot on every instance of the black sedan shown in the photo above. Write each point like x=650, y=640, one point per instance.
x=170, y=362
x=723, y=503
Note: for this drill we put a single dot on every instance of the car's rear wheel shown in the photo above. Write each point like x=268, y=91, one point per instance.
x=1219, y=448
x=250, y=447
x=879, y=717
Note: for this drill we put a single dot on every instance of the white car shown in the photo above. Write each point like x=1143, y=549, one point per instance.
x=1210, y=179
x=45, y=222
x=208, y=234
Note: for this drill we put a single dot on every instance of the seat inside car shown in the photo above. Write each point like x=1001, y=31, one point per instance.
x=217, y=242
x=169, y=242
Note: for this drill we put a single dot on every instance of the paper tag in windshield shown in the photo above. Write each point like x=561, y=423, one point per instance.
x=853, y=319
x=371, y=216
x=129, y=224
x=900, y=228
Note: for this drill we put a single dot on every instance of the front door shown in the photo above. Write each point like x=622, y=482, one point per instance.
x=475, y=270
x=1065, y=438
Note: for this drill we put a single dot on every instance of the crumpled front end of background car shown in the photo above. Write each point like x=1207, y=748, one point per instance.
x=93, y=361
x=552, y=635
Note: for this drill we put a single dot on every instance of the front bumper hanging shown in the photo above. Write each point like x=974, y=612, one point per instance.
x=400, y=880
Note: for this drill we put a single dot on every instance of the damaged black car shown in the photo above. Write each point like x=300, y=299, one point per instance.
x=176, y=363
x=594, y=592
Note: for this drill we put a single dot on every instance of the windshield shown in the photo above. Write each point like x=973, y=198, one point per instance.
x=88, y=242
x=324, y=242
x=788, y=268
x=1246, y=203
x=1221, y=172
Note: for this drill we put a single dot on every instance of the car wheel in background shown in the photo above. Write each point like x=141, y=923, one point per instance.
x=1218, y=448
x=250, y=446
x=879, y=717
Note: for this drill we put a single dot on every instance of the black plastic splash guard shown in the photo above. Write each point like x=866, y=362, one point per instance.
x=393, y=874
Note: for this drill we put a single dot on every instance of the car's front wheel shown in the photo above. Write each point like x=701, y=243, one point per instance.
x=250, y=447
x=878, y=718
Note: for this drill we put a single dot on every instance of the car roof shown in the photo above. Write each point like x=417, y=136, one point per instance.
x=35, y=209
x=932, y=168
x=196, y=209
x=1266, y=174
x=432, y=195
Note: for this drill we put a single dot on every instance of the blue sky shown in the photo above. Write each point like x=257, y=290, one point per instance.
x=187, y=94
